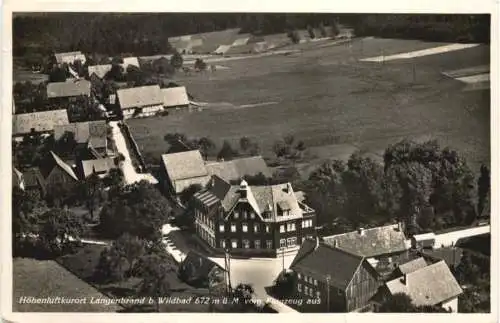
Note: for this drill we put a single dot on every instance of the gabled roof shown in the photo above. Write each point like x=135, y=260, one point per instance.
x=430, y=285
x=323, y=260
x=236, y=169
x=371, y=242
x=33, y=178
x=184, y=165
x=68, y=88
x=65, y=167
x=102, y=165
x=100, y=70
x=175, y=96
x=412, y=265
x=39, y=121
x=140, y=96
x=265, y=200
x=83, y=131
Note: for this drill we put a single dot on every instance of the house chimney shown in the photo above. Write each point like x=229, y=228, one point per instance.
x=361, y=231
x=243, y=188
x=404, y=280
x=334, y=242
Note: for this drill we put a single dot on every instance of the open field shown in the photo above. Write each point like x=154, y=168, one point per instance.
x=325, y=96
x=47, y=278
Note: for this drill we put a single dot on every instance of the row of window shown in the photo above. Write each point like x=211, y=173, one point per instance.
x=245, y=227
x=246, y=244
x=308, y=291
x=289, y=242
x=244, y=214
x=308, y=279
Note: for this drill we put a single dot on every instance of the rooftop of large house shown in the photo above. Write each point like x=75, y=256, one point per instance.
x=318, y=260
x=68, y=89
x=99, y=166
x=237, y=168
x=272, y=203
x=370, y=242
x=93, y=131
x=140, y=96
x=430, y=285
x=38, y=121
x=175, y=96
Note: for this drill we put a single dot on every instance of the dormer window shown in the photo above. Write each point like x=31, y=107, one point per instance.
x=236, y=214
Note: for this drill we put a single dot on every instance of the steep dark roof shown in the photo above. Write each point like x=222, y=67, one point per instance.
x=326, y=260
x=371, y=242
x=33, y=178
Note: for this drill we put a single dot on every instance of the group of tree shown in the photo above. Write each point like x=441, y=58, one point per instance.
x=38, y=230
x=138, y=209
x=29, y=97
x=427, y=187
x=289, y=148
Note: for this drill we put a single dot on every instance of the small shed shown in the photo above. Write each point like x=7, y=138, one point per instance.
x=423, y=241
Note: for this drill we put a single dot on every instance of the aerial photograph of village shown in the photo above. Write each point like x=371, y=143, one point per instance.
x=250, y=162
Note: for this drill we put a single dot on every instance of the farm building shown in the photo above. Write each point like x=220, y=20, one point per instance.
x=198, y=270
x=140, y=101
x=251, y=220
x=92, y=133
x=428, y=286
x=425, y=240
x=234, y=170
x=69, y=57
x=182, y=170
x=175, y=97
x=58, y=174
x=380, y=245
x=68, y=91
x=342, y=281
x=99, y=70
x=100, y=167
x=38, y=122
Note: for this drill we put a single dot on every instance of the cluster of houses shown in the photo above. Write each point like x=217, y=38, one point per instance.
x=353, y=271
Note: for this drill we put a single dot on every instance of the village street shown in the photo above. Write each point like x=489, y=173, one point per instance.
x=129, y=173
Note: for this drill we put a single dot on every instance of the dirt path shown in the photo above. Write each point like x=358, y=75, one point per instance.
x=129, y=173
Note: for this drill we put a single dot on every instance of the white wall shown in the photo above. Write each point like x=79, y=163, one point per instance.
x=450, y=238
x=453, y=304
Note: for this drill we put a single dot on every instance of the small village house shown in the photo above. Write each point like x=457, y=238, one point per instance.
x=100, y=167
x=432, y=285
x=198, y=270
x=99, y=71
x=140, y=101
x=91, y=134
x=380, y=245
x=423, y=241
x=175, y=97
x=69, y=57
x=338, y=280
x=408, y=267
x=252, y=220
x=183, y=169
x=37, y=123
x=34, y=180
x=68, y=91
x=58, y=174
